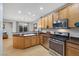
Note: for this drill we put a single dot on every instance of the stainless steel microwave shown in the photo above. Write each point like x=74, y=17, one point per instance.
x=60, y=24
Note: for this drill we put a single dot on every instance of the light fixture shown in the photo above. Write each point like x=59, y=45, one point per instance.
x=19, y=12
x=29, y=13
x=41, y=8
x=33, y=14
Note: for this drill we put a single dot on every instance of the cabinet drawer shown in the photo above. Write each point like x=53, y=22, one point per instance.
x=73, y=45
x=72, y=51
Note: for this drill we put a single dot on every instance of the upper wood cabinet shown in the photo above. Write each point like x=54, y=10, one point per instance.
x=55, y=15
x=63, y=13
x=73, y=14
x=73, y=11
x=45, y=23
x=50, y=21
x=39, y=23
x=42, y=22
x=73, y=21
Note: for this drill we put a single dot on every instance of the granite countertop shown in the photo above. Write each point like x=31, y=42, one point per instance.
x=25, y=34
x=73, y=40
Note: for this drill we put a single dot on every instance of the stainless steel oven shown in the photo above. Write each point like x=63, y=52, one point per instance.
x=57, y=44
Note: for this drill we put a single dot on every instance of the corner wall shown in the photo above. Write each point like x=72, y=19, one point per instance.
x=1, y=26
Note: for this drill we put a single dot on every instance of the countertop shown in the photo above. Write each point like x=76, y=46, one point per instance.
x=25, y=34
x=73, y=40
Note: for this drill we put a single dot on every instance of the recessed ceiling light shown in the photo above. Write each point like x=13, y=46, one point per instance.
x=19, y=11
x=41, y=8
x=33, y=14
x=29, y=13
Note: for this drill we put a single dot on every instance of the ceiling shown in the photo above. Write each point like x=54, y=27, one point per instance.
x=28, y=12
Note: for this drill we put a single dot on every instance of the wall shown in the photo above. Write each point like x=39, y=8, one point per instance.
x=30, y=27
x=1, y=26
x=8, y=28
x=13, y=26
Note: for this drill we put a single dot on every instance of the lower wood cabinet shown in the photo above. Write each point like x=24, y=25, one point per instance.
x=72, y=49
x=33, y=40
x=45, y=42
x=41, y=39
x=27, y=42
x=38, y=40
x=18, y=42
x=21, y=42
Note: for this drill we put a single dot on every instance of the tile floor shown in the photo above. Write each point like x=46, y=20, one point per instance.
x=33, y=51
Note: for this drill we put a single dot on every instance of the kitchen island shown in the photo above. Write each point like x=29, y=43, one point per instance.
x=21, y=41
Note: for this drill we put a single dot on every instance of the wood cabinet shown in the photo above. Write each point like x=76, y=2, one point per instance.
x=43, y=23
x=18, y=42
x=73, y=21
x=50, y=21
x=33, y=40
x=45, y=42
x=70, y=11
x=55, y=15
x=63, y=13
x=39, y=24
x=72, y=49
x=27, y=42
x=38, y=40
x=21, y=42
x=73, y=14
x=41, y=39
x=73, y=11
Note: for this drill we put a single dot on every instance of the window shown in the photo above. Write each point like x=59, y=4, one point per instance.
x=22, y=28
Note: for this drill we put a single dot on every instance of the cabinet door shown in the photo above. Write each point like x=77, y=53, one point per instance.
x=73, y=14
x=27, y=42
x=38, y=40
x=63, y=13
x=18, y=42
x=50, y=21
x=33, y=40
x=41, y=39
x=55, y=15
x=73, y=21
x=39, y=23
x=45, y=42
x=45, y=22
x=72, y=49
x=73, y=11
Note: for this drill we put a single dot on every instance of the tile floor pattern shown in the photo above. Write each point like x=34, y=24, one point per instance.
x=33, y=51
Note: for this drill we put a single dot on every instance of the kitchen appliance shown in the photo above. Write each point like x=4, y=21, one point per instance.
x=62, y=23
x=57, y=43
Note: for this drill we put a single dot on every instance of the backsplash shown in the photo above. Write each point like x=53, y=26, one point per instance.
x=73, y=33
